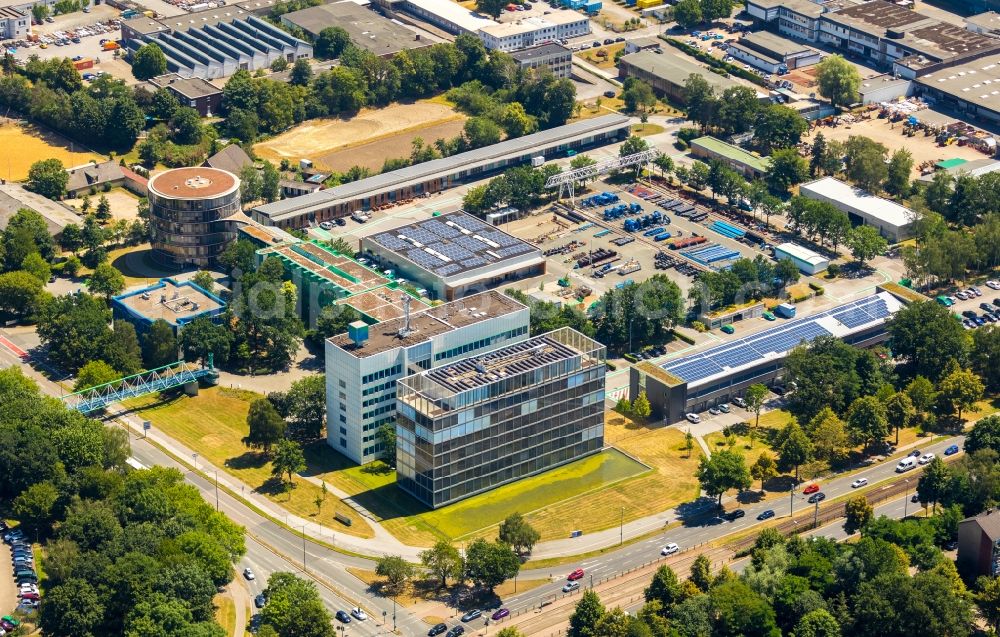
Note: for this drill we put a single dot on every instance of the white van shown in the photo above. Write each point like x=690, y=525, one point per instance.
x=906, y=464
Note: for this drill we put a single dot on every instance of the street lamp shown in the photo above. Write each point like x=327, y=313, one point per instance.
x=791, y=500
x=195, y=456
x=816, y=515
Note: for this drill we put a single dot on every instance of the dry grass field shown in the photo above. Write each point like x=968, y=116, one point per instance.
x=372, y=155
x=30, y=144
x=321, y=139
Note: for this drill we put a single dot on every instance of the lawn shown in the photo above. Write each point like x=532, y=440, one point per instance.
x=770, y=424
x=225, y=612
x=647, y=129
x=606, y=62
x=213, y=424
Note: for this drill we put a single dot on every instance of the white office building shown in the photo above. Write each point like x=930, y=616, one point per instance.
x=893, y=221
x=363, y=365
x=514, y=36
x=806, y=260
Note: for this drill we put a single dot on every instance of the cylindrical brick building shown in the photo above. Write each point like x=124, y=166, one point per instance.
x=188, y=210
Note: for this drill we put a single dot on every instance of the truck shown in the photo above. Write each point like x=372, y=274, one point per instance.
x=359, y=216
x=537, y=161
x=110, y=45
x=785, y=310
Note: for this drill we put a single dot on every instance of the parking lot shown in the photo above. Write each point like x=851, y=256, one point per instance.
x=977, y=305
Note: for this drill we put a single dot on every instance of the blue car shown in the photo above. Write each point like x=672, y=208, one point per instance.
x=766, y=515
x=952, y=450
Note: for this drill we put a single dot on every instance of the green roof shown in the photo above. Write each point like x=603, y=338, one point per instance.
x=734, y=153
x=945, y=164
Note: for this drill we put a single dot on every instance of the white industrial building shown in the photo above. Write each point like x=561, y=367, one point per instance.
x=893, y=221
x=448, y=15
x=363, y=364
x=15, y=24
x=807, y=261
x=552, y=27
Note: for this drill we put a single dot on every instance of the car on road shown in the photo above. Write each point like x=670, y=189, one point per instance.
x=860, y=482
x=608, y=41
x=456, y=631
x=812, y=488
x=436, y=630
x=739, y=402
x=248, y=574
x=952, y=450
x=914, y=454
x=260, y=601
x=694, y=418
x=609, y=94
x=471, y=615
x=344, y=618
x=766, y=515
x=670, y=549
x=570, y=587
x=927, y=457
x=500, y=614
x=817, y=497
x=575, y=575
x=735, y=514
x=359, y=614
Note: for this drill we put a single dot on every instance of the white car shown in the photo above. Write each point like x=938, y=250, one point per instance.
x=570, y=587
x=326, y=225
x=247, y=573
x=927, y=457
x=739, y=402
x=670, y=549
x=860, y=482
x=359, y=614
x=695, y=418
x=993, y=285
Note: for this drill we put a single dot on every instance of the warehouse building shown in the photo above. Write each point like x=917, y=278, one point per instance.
x=667, y=74
x=773, y=53
x=553, y=56
x=986, y=23
x=454, y=254
x=742, y=161
x=199, y=94
x=364, y=364
x=15, y=24
x=439, y=174
x=807, y=261
x=967, y=86
x=177, y=303
x=696, y=382
x=893, y=221
x=445, y=14
x=214, y=43
x=368, y=30
x=495, y=418
x=556, y=25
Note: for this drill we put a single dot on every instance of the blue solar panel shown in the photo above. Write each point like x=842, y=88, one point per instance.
x=695, y=370
x=853, y=317
x=740, y=355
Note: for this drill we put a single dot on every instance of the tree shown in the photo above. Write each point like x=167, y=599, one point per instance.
x=443, y=561
x=251, y=185
x=737, y=611
x=826, y=158
x=270, y=181
x=985, y=434
x=492, y=8
x=148, y=61
x=294, y=608
x=205, y=280
x=37, y=267
x=960, y=390
x=763, y=469
x=159, y=346
x=983, y=356
x=301, y=73
x=865, y=161
x=638, y=95
x=716, y=9
x=35, y=506
x=106, y=280
x=828, y=435
x=93, y=374
x=701, y=573
x=489, y=564
x=201, y=338
x=185, y=126
x=754, y=397
x=722, y=471
x=288, y=460
x=331, y=42
x=481, y=131
x=516, y=531
x=786, y=169
x=587, y=613
x=838, y=80
x=307, y=405
x=897, y=181
x=926, y=337
x=71, y=609
x=737, y=109
x=987, y=597
x=934, y=482
x=665, y=588
x=266, y=426
x=641, y=408
x=20, y=293
x=818, y=623
x=48, y=177
x=634, y=144
x=795, y=449
x=866, y=420
x=858, y=513
x=778, y=126
x=74, y=328
x=687, y=13
x=688, y=442
x=396, y=571
x=899, y=411
x=866, y=243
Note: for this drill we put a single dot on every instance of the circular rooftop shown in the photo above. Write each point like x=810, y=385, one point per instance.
x=194, y=183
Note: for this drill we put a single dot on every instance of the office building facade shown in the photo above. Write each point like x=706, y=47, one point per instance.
x=364, y=364
x=488, y=420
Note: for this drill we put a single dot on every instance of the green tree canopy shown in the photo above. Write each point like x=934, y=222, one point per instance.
x=148, y=61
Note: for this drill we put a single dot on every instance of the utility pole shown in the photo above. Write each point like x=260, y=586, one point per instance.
x=791, y=500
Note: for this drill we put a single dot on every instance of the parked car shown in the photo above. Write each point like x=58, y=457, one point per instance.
x=714, y=411
x=570, y=587
x=817, y=497
x=326, y=225
x=609, y=94
x=344, y=618
x=456, y=631
x=670, y=549
x=766, y=515
x=913, y=454
x=860, y=482
x=500, y=614
x=952, y=450
x=359, y=614
x=812, y=488
x=694, y=418
x=739, y=402
x=471, y=615
x=575, y=575
x=436, y=630
x=724, y=408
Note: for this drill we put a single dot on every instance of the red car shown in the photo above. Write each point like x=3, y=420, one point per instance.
x=31, y=596
x=812, y=488
x=575, y=575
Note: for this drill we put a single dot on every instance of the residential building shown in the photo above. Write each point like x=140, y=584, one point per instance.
x=199, y=94
x=979, y=545
x=808, y=261
x=232, y=158
x=559, y=24
x=214, y=43
x=15, y=24
x=364, y=364
x=742, y=161
x=556, y=57
x=773, y=53
x=453, y=254
x=497, y=417
x=893, y=221
x=90, y=178
x=440, y=174
x=177, y=303
x=367, y=29
x=666, y=74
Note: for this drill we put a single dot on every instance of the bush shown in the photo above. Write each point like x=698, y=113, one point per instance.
x=699, y=327
x=833, y=271
x=683, y=337
x=800, y=298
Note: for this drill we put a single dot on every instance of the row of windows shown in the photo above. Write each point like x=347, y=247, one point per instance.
x=379, y=399
x=376, y=448
x=481, y=343
x=377, y=388
x=384, y=409
x=395, y=370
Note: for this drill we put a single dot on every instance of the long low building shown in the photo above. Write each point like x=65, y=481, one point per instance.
x=698, y=381
x=805, y=260
x=367, y=29
x=666, y=74
x=439, y=174
x=893, y=221
x=742, y=161
x=448, y=15
x=559, y=24
x=773, y=53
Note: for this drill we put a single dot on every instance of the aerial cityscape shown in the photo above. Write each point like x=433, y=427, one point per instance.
x=561, y=318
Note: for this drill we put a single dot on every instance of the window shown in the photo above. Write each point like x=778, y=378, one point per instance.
x=343, y=443
x=343, y=431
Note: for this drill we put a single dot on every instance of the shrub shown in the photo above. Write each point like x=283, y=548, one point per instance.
x=698, y=326
x=683, y=337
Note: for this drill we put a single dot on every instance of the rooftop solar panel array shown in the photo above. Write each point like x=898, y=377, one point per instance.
x=776, y=340
x=452, y=243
